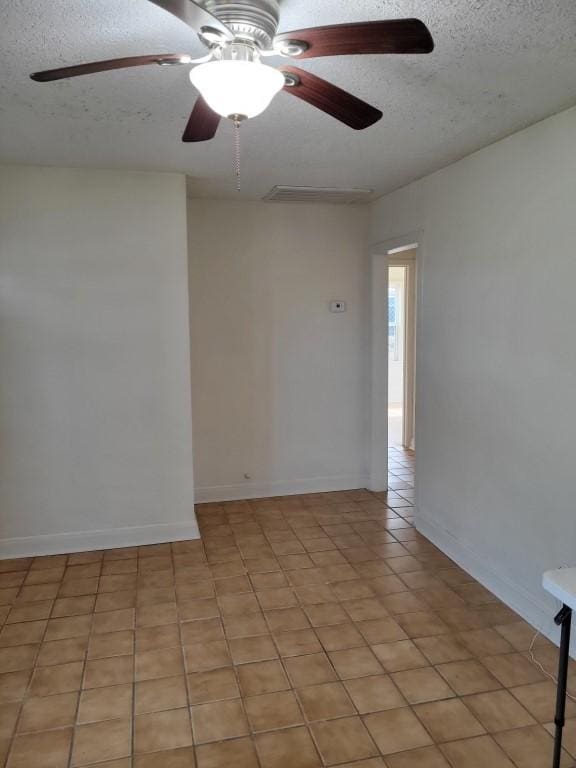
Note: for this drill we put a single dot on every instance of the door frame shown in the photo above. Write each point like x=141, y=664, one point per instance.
x=380, y=254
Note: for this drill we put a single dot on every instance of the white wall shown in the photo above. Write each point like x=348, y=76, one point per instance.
x=496, y=382
x=95, y=414
x=280, y=385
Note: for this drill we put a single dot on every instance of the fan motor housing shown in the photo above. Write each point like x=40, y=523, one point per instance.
x=252, y=20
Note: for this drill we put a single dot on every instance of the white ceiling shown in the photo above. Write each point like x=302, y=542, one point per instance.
x=499, y=65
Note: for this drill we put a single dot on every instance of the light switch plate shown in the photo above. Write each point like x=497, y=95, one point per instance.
x=337, y=305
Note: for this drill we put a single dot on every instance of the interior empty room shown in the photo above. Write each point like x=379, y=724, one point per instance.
x=287, y=368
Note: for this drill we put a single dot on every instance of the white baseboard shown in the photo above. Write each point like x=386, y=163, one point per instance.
x=532, y=608
x=84, y=541
x=249, y=490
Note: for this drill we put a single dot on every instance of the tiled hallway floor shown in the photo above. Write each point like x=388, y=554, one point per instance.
x=303, y=631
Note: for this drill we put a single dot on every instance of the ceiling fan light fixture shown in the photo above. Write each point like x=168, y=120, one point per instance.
x=237, y=89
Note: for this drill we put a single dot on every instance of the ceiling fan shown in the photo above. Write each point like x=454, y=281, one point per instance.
x=234, y=82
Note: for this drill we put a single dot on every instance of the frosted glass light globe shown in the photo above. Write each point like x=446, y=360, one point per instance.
x=243, y=88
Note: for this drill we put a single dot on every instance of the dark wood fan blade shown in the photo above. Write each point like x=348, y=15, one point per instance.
x=331, y=99
x=202, y=124
x=198, y=18
x=104, y=66
x=392, y=36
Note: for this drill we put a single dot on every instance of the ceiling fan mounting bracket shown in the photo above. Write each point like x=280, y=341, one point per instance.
x=254, y=21
x=291, y=48
x=290, y=80
x=211, y=36
x=174, y=62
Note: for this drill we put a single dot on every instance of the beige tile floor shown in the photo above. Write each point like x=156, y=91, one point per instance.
x=303, y=631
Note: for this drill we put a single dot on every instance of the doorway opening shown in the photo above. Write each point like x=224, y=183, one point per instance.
x=396, y=332
x=401, y=348
x=395, y=265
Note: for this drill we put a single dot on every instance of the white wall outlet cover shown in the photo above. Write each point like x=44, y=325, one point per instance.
x=337, y=305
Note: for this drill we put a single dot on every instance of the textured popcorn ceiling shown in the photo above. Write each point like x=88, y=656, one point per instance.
x=499, y=65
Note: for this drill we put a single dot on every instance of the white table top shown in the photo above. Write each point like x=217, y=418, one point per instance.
x=562, y=584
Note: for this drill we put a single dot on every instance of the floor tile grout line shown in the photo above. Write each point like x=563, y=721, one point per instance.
x=285, y=671
x=82, y=676
x=184, y=666
x=241, y=698
x=31, y=675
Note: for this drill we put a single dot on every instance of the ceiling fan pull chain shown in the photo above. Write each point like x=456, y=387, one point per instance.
x=237, y=152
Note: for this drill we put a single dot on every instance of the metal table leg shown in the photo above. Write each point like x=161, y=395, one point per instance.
x=563, y=619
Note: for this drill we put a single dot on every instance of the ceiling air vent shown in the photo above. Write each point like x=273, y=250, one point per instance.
x=280, y=194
